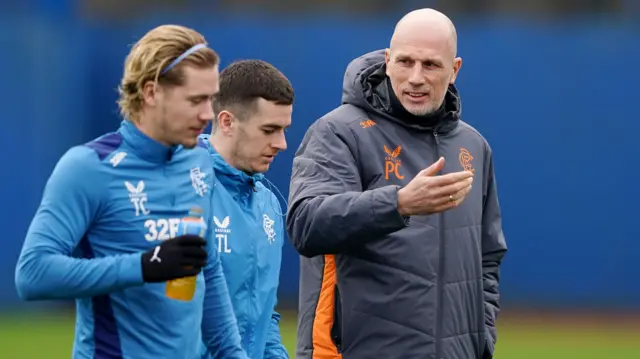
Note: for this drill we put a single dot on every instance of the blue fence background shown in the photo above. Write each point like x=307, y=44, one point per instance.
x=556, y=100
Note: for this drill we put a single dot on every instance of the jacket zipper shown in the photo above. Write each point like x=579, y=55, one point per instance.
x=252, y=291
x=336, y=327
x=440, y=268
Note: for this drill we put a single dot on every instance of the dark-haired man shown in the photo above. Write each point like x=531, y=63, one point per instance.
x=252, y=109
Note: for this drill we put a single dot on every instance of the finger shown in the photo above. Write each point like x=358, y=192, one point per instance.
x=450, y=178
x=463, y=192
x=193, y=262
x=461, y=196
x=191, y=240
x=449, y=204
x=452, y=196
x=189, y=272
x=444, y=207
x=451, y=189
x=434, y=168
x=194, y=253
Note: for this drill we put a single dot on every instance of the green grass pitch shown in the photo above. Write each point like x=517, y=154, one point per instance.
x=27, y=336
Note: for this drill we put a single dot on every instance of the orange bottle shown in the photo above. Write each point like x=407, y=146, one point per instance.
x=185, y=288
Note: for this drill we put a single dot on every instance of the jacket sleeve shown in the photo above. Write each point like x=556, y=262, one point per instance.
x=493, y=250
x=330, y=211
x=71, y=201
x=219, y=326
x=274, y=348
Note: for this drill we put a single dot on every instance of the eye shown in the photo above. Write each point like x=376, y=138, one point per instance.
x=200, y=99
x=431, y=65
x=268, y=131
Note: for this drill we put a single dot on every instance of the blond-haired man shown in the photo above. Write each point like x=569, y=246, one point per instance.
x=118, y=200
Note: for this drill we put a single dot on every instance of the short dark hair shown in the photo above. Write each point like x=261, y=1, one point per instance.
x=243, y=82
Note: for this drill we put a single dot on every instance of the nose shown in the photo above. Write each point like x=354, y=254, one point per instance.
x=280, y=143
x=206, y=113
x=416, y=78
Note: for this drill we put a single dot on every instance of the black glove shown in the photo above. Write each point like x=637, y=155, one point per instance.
x=179, y=257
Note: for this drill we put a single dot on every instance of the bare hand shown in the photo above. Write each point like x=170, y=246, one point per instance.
x=428, y=193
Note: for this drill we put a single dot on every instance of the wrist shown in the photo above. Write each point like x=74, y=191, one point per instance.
x=404, y=212
x=130, y=269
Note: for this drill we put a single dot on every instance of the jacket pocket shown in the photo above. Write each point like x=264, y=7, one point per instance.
x=336, y=328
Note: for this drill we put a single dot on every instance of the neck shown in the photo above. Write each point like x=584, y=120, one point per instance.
x=223, y=150
x=145, y=125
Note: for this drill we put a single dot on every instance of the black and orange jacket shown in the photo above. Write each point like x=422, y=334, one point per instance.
x=374, y=284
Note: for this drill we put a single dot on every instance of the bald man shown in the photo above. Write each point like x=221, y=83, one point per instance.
x=394, y=209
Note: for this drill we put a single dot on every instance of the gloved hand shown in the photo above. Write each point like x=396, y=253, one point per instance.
x=183, y=256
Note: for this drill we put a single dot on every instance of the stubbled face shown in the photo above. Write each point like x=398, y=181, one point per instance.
x=184, y=111
x=258, y=138
x=420, y=69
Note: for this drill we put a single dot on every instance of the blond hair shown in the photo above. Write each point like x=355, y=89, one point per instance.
x=154, y=57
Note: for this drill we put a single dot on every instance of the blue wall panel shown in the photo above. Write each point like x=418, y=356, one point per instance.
x=556, y=102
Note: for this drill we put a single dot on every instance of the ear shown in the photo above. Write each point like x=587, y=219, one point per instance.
x=150, y=93
x=226, y=122
x=387, y=58
x=457, y=64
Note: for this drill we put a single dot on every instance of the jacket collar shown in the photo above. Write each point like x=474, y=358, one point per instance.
x=227, y=174
x=381, y=99
x=365, y=85
x=144, y=146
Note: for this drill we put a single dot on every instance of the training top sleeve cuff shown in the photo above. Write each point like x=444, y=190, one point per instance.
x=131, y=269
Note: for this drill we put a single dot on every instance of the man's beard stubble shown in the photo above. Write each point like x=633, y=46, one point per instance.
x=241, y=161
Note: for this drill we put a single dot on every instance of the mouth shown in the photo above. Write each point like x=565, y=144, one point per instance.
x=196, y=130
x=269, y=158
x=416, y=96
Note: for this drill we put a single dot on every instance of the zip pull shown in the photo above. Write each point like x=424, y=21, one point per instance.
x=435, y=136
x=252, y=185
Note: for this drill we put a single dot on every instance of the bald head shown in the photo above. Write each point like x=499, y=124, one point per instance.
x=421, y=60
x=426, y=27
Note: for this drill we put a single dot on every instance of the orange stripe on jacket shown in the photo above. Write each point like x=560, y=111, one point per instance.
x=323, y=346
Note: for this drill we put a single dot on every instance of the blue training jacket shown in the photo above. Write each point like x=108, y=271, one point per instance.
x=249, y=229
x=110, y=200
